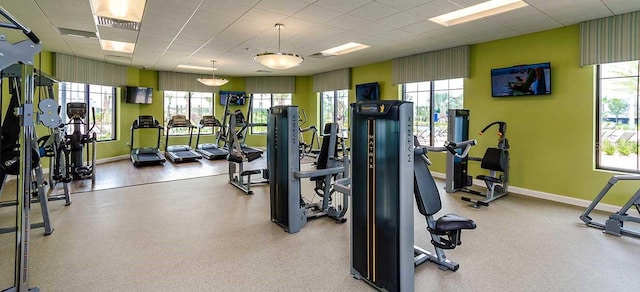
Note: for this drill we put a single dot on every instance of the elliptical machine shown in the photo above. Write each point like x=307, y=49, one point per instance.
x=82, y=135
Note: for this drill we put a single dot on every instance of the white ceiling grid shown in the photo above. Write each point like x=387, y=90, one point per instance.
x=192, y=32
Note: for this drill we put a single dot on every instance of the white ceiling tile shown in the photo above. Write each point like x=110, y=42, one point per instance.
x=374, y=11
x=317, y=14
x=395, y=35
x=294, y=25
x=401, y=19
x=342, y=5
x=422, y=27
x=262, y=17
x=567, y=12
x=374, y=28
x=622, y=6
x=347, y=22
x=286, y=7
x=434, y=8
x=466, y=3
x=525, y=20
x=403, y=4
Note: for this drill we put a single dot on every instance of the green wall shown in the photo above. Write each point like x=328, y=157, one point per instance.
x=551, y=137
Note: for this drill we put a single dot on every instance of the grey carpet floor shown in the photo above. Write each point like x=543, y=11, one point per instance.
x=202, y=234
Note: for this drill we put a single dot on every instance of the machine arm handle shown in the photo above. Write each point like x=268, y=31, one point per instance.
x=448, y=146
x=502, y=127
x=15, y=24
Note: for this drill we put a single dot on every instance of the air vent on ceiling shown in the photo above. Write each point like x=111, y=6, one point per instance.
x=263, y=71
x=115, y=23
x=321, y=55
x=77, y=33
x=118, y=57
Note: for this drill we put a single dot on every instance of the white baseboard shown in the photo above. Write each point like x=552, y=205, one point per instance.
x=547, y=196
x=112, y=159
x=45, y=170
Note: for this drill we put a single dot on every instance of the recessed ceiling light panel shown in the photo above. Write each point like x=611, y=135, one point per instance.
x=344, y=49
x=117, y=46
x=484, y=9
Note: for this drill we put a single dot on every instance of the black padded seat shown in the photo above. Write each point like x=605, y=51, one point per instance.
x=489, y=178
x=234, y=158
x=451, y=222
x=251, y=156
x=250, y=172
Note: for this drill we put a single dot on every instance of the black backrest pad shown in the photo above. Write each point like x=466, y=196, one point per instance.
x=493, y=159
x=424, y=188
x=323, y=156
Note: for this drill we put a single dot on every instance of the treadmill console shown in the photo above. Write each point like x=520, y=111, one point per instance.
x=146, y=122
x=77, y=110
x=179, y=121
x=209, y=121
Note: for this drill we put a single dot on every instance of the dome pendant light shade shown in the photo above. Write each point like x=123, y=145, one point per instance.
x=213, y=81
x=279, y=60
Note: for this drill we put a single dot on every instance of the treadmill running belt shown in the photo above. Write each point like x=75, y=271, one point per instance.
x=183, y=154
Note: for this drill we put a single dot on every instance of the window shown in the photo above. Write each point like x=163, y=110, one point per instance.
x=617, y=116
x=193, y=105
x=431, y=101
x=262, y=102
x=98, y=98
x=334, y=108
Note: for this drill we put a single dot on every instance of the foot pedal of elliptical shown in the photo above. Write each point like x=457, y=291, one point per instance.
x=475, y=203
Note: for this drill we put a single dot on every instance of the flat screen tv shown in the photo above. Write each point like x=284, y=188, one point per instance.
x=235, y=97
x=534, y=79
x=367, y=91
x=142, y=95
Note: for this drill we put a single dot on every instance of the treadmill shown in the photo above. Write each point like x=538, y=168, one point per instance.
x=146, y=155
x=210, y=150
x=180, y=153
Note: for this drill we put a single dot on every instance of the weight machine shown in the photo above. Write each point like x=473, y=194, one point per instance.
x=288, y=207
x=495, y=160
x=55, y=145
x=387, y=167
x=615, y=224
x=22, y=53
x=11, y=152
x=238, y=156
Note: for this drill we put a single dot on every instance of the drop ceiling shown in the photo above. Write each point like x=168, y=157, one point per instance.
x=192, y=32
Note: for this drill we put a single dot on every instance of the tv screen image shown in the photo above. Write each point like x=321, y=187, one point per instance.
x=236, y=97
x=142, y=95
x=367, y=91
x=534, y=79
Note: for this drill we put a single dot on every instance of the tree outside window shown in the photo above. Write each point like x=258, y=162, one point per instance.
x=617, y=111
x=98, y=98
x=262, y=102
x=334, y=108
x=193, y=105
x=431, y=102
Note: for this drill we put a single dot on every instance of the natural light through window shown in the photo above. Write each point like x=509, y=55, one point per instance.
x=617, y=139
